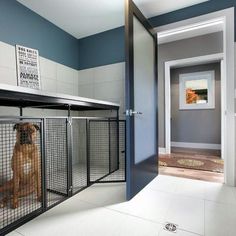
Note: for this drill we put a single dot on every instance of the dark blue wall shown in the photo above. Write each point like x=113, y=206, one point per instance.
x=19, y=25
x=96, y=50
x=192, y=11
x=102, y=49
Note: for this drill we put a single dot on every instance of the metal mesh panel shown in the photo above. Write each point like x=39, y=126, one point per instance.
x=107, y=164
x=56, y=160
x=20, y=171
x=122, y=148
x=119, y=173
x=114, y=159
x=98, y=149
x=79, y=155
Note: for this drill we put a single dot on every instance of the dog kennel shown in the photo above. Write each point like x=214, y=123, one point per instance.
x=74, y=152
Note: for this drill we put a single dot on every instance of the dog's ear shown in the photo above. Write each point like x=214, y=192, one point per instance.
x=16, y=126
x=36, y=127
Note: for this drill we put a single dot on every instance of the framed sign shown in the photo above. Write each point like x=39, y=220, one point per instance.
x=28, y=74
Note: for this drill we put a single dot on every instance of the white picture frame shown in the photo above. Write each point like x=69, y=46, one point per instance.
x=209, y=76
x=28, y=71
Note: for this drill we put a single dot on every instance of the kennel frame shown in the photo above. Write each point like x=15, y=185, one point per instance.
x=12, y=96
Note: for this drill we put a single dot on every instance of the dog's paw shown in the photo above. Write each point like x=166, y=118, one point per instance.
x=15, y=204
x=2, y=204
x=39, y=198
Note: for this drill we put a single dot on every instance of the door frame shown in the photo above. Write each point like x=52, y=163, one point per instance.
x=229, y=87
x=191, y=62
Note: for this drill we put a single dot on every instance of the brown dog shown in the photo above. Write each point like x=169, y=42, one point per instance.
x=26, y=166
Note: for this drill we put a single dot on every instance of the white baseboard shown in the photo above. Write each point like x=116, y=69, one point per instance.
x=197, y=145
x=162, y=150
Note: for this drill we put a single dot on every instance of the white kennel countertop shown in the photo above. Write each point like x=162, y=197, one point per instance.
x=25, y=97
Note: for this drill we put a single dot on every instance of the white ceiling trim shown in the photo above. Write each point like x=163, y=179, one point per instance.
x=191, y=30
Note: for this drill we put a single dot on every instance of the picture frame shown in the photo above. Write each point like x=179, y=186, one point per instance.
x=28, y=70
x=197, y=90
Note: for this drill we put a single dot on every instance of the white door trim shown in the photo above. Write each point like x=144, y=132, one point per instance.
x=162, y=150
x=180, y=63
x=228, y=99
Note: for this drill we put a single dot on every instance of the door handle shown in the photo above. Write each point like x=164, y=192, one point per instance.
x=132, y=113
x=137, y=113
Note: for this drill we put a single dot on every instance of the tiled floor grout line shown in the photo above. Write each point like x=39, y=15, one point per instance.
x=91, y=203
x=152, y=221
x=184, y=230
x=18, y=232
x=220, y=203
x=139, y=217
x=199, y=198
x=179, y=194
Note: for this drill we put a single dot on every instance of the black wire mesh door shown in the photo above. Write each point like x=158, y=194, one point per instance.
x=20, y=171
x=106, y=151
x=79, y=154
x=117, y=152
x=57, y=170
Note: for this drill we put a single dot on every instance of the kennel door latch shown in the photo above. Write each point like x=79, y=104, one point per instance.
x=70, y=189
x=130, y=112
x=69, y=122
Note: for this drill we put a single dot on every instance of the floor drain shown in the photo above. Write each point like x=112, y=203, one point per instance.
x=171, y=227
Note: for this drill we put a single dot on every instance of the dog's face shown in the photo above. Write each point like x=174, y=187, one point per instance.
x=26, y=133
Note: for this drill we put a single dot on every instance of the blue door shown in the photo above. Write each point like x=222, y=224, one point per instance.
x=141, y=100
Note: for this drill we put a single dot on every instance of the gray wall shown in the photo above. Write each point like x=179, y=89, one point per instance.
x=193, y=47
x=195, y=126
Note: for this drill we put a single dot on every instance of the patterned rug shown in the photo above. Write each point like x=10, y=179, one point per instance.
x=211, y=164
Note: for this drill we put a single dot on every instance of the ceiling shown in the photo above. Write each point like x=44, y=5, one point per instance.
x=82, y=18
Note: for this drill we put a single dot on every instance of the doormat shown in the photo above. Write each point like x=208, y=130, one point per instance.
x=213, y=165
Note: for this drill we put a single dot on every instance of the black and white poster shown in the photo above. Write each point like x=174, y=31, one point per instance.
x=28, y=67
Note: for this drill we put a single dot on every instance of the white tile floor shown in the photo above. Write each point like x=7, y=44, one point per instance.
x=199, y=208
